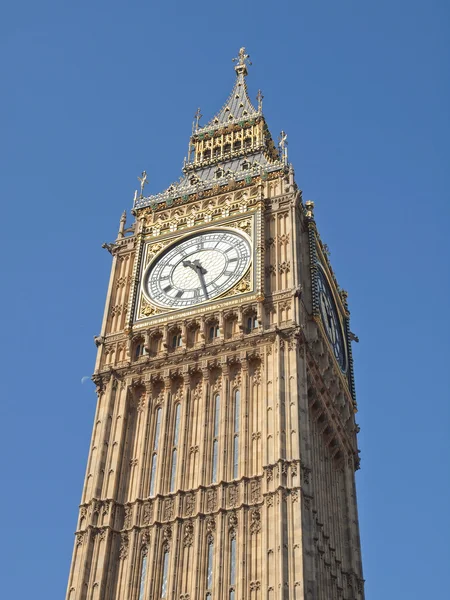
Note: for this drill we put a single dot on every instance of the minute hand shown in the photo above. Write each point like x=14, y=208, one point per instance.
x=200, y=272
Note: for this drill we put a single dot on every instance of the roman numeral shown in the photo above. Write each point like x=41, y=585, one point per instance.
x=228, y=272
x=167, y=289
x=179, y=294
x=232, y=260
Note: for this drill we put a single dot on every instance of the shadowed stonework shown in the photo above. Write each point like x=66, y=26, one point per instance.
x=224, y=444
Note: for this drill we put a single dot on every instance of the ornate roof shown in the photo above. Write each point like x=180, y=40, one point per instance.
x=235, y=145
x=238, y=107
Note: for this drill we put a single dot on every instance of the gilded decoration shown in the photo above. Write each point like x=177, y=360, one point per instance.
x=188, y=446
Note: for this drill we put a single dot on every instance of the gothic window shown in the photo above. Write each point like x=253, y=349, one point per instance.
x=248, y=143
x=176, y=340
x=165, y=574
x=216, y=152
x=215, y=444
x=237, y=410
x=139, y=350
x=227, y=148
x=237, y=144
x=214, y=331
x=209, y=569
x=252, y=323
x=142, y=577
x=176, y=435
x=155, y=451
x=232, y=588
x=206, y=154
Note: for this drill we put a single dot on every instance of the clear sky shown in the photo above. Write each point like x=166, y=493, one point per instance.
x=92, y=93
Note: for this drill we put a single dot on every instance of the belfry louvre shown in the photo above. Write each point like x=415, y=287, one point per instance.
x=224, y=447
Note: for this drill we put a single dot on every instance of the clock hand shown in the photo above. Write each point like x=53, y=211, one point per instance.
x=197, y=267
x=202, y=281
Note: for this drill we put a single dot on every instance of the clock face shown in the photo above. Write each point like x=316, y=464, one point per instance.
x=198, y=268
x=330, y=319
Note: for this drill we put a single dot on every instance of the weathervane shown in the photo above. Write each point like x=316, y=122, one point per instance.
x=143, y=179
x=243, y=60
x=282, y=143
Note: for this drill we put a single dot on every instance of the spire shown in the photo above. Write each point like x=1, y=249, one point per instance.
x=234, y=146
x=238, y=107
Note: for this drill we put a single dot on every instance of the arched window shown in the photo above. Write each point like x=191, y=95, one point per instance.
x=217, y=151
x=142, y=577
x=215, y=444
x=232, y=587
x=237, y=410
x=155, y=451
x=209, y=569
x=176, y=435
x=227, y=148
x=252, y=323
x=165, y=574
x=237, y=144
x=139, y=350
x=214, y=331
x=176, y=340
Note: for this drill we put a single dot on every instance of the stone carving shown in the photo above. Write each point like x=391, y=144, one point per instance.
x=255, y=523
x=232, y=520
x=123, y=552
x=306, y=472
x=269, y=473
x=167, y=534
x=189, y=505
x=233, y=495
x=255, y=586
x=147, y=513
x=188, y=538
x=145, y=539
x=294, y=495
x=211, y=500
x=168, y=509
x=127, y=517
x=210, y=525
x=269, y=499
x=255, y=494
x=80, y=538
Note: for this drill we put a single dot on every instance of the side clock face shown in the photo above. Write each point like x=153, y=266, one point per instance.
x=198, y=268
x=330, y=319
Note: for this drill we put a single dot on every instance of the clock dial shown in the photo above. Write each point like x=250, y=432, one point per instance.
x=330, y=319
x=198, y=268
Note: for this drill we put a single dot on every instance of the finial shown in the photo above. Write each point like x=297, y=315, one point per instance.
x=123, y=220
x=309, y=205
x=242, y=61
x=282, y=143
x=198, y=115
x=143, y=179
x=259, y=98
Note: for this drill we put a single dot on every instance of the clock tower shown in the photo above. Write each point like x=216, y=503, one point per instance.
x=223, y=453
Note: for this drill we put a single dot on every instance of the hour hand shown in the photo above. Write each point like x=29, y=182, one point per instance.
x=188, y=263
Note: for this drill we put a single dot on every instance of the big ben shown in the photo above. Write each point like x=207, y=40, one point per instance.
x=224, y=448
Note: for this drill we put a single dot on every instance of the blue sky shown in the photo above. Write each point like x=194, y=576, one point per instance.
x=95, y=92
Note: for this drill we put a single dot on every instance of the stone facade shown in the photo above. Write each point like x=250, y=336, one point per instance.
x=222, y=468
